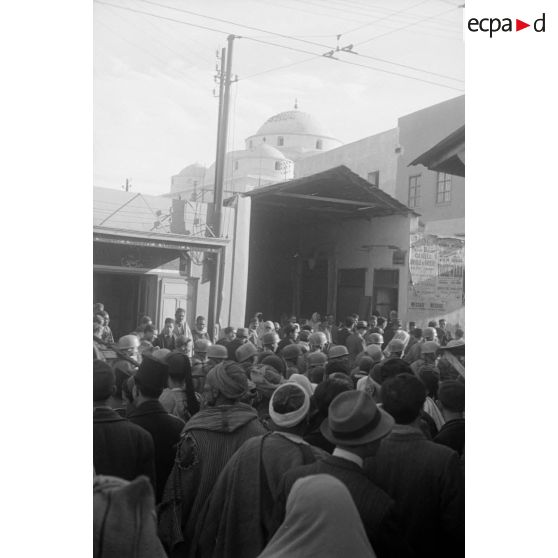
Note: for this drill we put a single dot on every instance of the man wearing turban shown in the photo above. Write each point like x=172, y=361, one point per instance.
x=238, y=519
x=208, y=441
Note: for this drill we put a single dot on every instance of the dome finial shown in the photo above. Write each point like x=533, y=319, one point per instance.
x=296, y=103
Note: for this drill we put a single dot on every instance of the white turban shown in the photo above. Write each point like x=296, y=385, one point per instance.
x=302, y=381
x=294, y=417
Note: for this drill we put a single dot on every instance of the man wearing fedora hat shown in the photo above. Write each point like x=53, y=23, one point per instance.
x=424, y=478
x=356, y=427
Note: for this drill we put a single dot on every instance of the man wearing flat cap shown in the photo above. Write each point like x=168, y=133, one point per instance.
x=208, y=441
x=356, y=426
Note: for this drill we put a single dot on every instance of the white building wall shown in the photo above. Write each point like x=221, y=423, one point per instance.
x=361, y=244
x=237, y=228
x=375, y=153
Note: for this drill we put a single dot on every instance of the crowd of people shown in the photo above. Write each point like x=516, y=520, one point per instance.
x=303, y=438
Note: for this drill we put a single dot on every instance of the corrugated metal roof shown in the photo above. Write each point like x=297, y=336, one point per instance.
x=444, y=156
x=337, y=190
x=118, y=209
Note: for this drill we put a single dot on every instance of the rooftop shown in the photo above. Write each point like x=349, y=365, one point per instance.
x=293, y=122
x=337, y=191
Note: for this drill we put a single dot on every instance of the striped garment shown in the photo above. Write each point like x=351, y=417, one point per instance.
x=209, y=440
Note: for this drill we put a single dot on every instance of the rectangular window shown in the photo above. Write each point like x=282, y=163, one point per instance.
x=443, y=188
x=414, y=191
x=280, y=141
x=374, y=178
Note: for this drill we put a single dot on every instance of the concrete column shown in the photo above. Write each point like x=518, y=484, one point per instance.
x=236, y=268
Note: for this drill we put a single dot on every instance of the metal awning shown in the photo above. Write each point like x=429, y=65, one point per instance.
x=447, y=155
x=157, y=240
x=337, y=192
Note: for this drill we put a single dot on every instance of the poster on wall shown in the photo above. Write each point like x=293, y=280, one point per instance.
x=436, y=275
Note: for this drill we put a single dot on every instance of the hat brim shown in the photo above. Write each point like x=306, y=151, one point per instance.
x=454, y=348
x=383, y=428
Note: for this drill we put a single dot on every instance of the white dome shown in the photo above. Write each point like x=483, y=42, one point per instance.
x=262, y=151
x=192, y=170
x=292, y=122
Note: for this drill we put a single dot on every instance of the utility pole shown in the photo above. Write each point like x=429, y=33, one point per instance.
x=128, y=186
x=216, y=286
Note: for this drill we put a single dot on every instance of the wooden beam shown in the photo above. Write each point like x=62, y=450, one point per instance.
x=321, y=198
x=322, y=210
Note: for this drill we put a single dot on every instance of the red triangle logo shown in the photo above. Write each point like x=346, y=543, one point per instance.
x=519, y=25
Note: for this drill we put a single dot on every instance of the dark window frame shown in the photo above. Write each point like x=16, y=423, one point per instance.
x=443, y=188
x=375, y=175
x=414, y=192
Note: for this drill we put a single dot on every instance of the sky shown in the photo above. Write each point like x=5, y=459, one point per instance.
x=154, y=108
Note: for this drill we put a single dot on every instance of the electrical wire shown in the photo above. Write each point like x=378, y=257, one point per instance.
x=234, y=23
x=280, y=67
x=171, y=49
x=314, y=12
x=289, y=47
x=401, y=28
x=385, y=17
x=408, y=67
x=375, y=10
x=188, y=39
x=162, y=17
x=355, y=64
x=136, y=46
x=190, y=12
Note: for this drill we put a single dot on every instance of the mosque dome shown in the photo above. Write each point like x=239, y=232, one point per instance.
x=292, y=122
x=194, y=169
x=261, y=151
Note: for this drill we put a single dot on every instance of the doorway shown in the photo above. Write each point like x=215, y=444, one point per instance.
x=350, y=293
x=314, y=288
x=385, y=294
x=126, y=296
